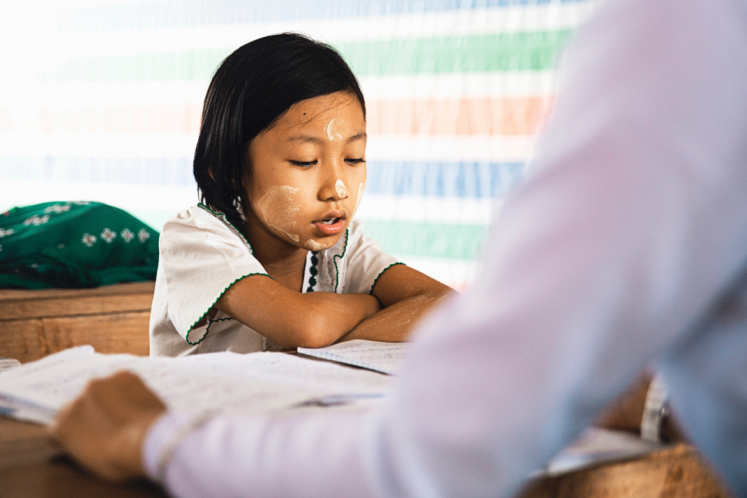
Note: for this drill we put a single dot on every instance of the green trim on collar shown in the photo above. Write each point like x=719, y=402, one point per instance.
x=222, y=216
x=340, y=256
x=381, y=273
x=313, y=272
x=186, y=338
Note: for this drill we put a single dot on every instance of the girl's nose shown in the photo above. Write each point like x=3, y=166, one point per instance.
x=333, y=187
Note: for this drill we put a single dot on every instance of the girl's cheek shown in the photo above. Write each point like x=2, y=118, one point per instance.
x=361, y=187
x=279, y=209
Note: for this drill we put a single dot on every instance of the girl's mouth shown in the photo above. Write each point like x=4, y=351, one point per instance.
x=331, y=224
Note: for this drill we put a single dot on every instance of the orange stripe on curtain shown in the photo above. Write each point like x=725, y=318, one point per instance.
x=498, y=116
x=501, y=116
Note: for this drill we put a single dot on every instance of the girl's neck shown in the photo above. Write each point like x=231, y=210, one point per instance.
x=283, y=261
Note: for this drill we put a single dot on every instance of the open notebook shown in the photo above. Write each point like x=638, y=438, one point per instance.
x=225, y=383
x=384, y=357
x=257, y=383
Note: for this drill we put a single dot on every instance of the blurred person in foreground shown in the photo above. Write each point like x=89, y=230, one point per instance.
x=626, y=245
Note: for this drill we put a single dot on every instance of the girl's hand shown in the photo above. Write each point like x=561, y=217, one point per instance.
x=105, y=428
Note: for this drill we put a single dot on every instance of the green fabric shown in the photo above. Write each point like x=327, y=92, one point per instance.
x=74, y=245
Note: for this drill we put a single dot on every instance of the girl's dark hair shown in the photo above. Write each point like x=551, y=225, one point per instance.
x=252, y=88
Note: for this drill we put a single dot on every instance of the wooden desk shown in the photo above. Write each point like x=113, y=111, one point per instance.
x=29, y=469
x=675, y=472
x=113, y=319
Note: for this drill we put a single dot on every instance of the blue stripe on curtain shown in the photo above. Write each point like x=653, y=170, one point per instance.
x=431, y=179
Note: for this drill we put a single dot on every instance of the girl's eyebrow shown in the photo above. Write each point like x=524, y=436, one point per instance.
x=309, y=138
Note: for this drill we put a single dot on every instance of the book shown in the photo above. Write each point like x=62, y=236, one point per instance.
x=220, y=383
x=384, y=357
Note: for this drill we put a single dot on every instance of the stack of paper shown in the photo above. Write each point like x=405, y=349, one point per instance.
x=226, y=383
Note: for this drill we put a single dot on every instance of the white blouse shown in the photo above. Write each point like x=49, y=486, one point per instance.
x=202, y=254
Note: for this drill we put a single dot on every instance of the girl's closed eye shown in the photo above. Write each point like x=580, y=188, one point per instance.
x=355, y=161
x=303, y=164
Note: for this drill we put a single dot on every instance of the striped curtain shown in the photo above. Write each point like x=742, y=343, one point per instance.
x=101, y=100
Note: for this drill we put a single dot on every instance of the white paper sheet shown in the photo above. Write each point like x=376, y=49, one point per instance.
x=597, y=446
x=8, y=363
x=223, y=382
x=384, y=357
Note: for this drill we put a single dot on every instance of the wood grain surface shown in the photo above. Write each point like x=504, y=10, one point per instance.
x=113, y=319
x=675, y=472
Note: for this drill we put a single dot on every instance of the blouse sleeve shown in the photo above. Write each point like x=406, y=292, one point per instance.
x=367, y=261
x=201, y=255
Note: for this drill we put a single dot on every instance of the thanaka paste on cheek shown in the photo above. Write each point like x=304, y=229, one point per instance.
x=341, y=189
x=358, y=199
x=279, y=211
x=334, y=129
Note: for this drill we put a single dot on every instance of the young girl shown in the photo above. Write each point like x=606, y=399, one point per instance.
x=273, y=258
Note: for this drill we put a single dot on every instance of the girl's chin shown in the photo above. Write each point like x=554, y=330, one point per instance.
x=319, y=245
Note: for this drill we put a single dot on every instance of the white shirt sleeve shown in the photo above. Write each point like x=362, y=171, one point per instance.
x=630, y=228
x=201, y=256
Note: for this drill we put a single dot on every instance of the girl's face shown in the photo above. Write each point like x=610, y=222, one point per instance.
x=309, y=171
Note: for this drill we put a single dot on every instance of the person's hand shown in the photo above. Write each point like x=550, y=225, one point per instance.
x=104, y=429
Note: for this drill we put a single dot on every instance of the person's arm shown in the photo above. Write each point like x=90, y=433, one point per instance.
x=294, y=319
x=406, y=295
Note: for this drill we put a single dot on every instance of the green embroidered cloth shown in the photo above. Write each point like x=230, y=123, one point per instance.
x=74, y=245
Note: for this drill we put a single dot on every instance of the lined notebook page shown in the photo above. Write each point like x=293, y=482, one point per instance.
x=224, y=383
x=384, y=357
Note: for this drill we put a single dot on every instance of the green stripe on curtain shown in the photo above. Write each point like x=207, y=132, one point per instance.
x=499, y=52
x=428, y=239
x=529, y=51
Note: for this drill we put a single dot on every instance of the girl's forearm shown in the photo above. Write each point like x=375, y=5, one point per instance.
x=331, y=316
x=394, y=324
x=291, y=318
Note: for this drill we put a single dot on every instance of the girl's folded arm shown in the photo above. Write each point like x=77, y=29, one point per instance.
x=406, y=296
x=291, y=318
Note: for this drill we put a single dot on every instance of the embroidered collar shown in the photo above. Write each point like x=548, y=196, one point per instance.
x=313, y=271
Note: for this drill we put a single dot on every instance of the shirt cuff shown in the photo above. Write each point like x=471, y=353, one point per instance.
x=159, y=435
